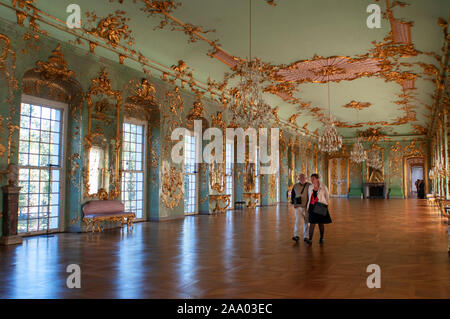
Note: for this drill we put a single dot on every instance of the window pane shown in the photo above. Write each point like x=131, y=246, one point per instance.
x=38, y=209
x=133, y=168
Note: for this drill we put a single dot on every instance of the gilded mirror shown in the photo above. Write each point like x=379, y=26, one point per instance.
x=102, y=142
x=374, y=175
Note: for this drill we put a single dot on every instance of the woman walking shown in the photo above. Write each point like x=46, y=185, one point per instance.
x=318, y=207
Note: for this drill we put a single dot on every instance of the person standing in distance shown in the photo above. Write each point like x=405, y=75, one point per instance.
x=299, y=198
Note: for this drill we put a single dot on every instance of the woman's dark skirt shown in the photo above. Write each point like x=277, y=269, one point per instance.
x=318, y=219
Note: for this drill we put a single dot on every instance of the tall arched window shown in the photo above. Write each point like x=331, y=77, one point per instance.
x=41, y=165
x=190, y=176
x=133, y=166
x=229, y=171
x=257, y=170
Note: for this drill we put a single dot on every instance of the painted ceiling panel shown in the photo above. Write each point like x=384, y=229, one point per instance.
x=283, y=34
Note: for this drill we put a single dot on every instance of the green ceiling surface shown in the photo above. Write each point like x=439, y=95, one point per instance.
x=292, y=30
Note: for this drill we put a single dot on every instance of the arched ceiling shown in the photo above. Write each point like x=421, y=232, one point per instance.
x=390, y=80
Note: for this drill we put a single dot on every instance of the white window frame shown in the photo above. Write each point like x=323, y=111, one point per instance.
x=135, y=121
x=63, y=107
x=257, y=176
x=197, y=179
x=232, y=173
x=278, y=186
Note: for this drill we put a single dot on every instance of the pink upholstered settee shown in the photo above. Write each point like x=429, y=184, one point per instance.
x=97, y=211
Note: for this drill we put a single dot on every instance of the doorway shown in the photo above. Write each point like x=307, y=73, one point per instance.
x=416, y=175
x=414, y=168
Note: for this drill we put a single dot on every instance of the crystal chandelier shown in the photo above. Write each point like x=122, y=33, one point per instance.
x=247, y=104
x=358, y=154
x=330, y=141
x=374, y=159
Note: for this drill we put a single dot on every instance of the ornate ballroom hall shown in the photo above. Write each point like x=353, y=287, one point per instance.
x=120, y=179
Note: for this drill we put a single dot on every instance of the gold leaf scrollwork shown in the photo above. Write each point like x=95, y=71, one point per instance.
x=55, y=68
x=172, y=191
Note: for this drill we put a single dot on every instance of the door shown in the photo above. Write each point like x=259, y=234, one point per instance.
x=338, y=176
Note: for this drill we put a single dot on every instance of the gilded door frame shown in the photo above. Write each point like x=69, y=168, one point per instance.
x=406, y=173
x=347, y=159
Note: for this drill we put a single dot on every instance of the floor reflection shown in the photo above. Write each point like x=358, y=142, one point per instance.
x=242, y=254
x=131, y=254
x=34, y=266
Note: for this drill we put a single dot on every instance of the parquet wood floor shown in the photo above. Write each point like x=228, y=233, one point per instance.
x=243, y=254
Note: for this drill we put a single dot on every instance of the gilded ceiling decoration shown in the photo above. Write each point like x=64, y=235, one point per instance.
x=26, y=9
x=293, y=118
x=163, y=10
x=383, y=60
x=335, y=69
x=373, y=135
x=357, y=105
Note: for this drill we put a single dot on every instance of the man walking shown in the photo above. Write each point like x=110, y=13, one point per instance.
x=299, y=198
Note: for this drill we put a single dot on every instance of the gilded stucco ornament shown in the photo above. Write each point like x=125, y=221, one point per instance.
x=196, y=113
x=113, y=28
x=293, y=118
x=8, y=68
x=273, y=186
x=249, y=177
x=217, y=171
x=357, y=105
x=55, y=68
x=172, y=191
x=142, y=101
x=8, y=65
x=221, y=203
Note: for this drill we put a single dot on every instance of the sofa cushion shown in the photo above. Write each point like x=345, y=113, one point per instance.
x=111, y=215
x=108, y=207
